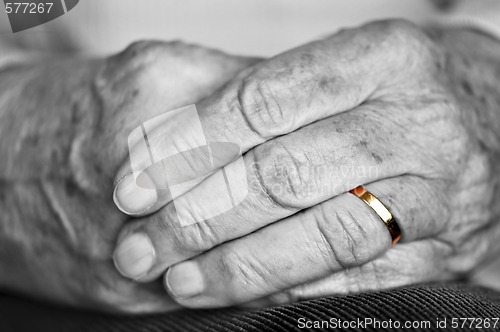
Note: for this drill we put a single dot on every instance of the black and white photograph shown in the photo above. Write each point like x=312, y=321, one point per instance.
x=251, y=165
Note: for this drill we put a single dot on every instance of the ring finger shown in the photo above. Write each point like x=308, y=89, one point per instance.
x=335, y=235
x=286, y=175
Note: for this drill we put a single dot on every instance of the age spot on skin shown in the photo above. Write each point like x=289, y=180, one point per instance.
x=32, y=140
x=3, y=194
x=323, y=84
x=377, y=158
x=70, y=188
x=75, y=110
x=307, y=58
x=467, y=88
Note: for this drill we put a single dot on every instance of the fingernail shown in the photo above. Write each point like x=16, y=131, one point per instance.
x=185, y=280
x=132, y=199
x=134, y=256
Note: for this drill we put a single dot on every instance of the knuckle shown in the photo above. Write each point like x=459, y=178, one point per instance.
x=138, y=58
x=243, y=270
x=442, y=129
x=122, y=76
x=281, y=175
x=142, y=51
x=400, y=28
x=413, y=48
x=401, y=32
x=346, y=235
x=261, y=107
x=139, y=49
x=137, y=54
x=197, y=238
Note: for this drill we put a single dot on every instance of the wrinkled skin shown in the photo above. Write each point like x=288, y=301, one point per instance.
x=419, y=108
x=63, y=133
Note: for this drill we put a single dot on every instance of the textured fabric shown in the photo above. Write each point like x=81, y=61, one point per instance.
x=426, y=302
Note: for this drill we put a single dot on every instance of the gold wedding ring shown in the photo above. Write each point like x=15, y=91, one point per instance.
x=380, y=209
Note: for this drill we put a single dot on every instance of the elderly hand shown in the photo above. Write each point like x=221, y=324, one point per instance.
x=412, y=116
x=63, y=131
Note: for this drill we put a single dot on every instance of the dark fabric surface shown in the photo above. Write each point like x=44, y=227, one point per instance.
x=422, y=303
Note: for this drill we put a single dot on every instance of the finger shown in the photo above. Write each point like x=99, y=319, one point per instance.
x=407, y=264
x=428, y=260
x=284, y=175
x=338, y=234
x=294, y=89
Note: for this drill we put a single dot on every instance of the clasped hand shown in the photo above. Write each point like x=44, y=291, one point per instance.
x=380, y=106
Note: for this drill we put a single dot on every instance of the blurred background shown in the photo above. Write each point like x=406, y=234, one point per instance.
x=257, y=27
